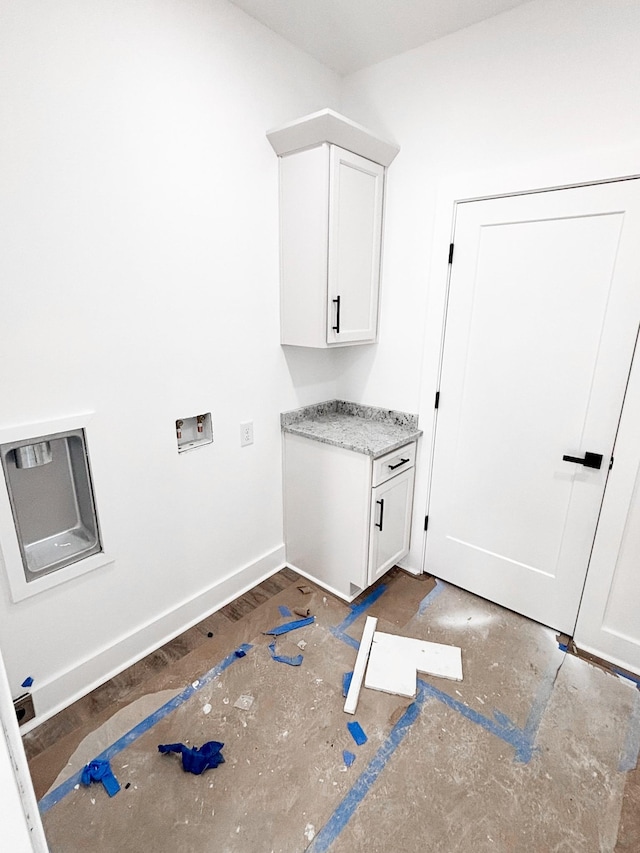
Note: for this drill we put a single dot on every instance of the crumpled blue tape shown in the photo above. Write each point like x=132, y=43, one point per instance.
x=296, y=661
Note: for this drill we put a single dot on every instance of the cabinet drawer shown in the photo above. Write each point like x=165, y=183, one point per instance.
x=393, y=463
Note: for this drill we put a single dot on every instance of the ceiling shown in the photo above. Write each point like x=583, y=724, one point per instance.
x=347, y=35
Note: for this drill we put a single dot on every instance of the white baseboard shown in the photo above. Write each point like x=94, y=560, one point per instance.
x=85, y=675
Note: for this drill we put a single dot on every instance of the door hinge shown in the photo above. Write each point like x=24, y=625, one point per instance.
x=437, y=402
x=611, y=463
x=426, y=522
x=450, y=253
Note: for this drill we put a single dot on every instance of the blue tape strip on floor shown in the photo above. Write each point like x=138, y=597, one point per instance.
x=356, y=611
x=521, y=739
x=431, y=597
x=290, y=626
x=54, y=797
x=627, y=675
x=343, y=814
x=631, y=748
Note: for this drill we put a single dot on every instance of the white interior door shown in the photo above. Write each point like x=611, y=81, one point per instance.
x=608, y=624
x=542, y=315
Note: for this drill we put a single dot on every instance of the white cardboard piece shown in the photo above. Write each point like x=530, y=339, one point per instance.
x=395, y=661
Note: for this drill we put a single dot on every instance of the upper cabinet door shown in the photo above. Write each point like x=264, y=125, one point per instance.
x=355, y=231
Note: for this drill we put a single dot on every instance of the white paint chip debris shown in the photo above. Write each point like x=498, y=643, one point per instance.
x=206, y=709
x=309, y=832
x=195, y=683
x=302, y=644
x=243, y=702
x=93, y=801
x=76, y=787
x=225, y=701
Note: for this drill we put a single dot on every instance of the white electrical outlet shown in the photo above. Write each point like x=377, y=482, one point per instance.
x=246, y=433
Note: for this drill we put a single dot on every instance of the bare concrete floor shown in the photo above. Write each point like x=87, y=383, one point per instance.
x=532, y=751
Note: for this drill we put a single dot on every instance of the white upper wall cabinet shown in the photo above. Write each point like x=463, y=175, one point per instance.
x=331, y=199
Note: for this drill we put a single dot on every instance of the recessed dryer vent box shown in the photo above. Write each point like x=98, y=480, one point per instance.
x=194, y=432
x=49, y=526
x=51, y=496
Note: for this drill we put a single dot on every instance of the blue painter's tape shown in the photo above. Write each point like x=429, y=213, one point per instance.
x=340, y=635
x=131, y=736
x=339, y=631
x=290, y=626
x=348, y=757
x=27, y=682
x=618, y=672
x=431, y=597
x=346, y=683
x=631, y=747
x=296, y=661
x=357, y=732
x=358, y=609
x=343, y=814
x=284, y=610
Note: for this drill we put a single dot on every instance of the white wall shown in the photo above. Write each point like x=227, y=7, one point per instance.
x=138, y=220
x=549, y=80
x=139, y=228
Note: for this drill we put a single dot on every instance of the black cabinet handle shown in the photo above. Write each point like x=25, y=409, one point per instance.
x=401, y=462
x=376, y=524
x=590, y=460
x=336, y=328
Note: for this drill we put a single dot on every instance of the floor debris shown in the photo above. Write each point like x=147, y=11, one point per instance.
x=196, y=760
x=348, y=757
x=305, y=590
x=351, y=702
x=357, y=732
x=100, y=771
x=292, y=661
x=346, y=683
x=284, y=610
x=394, y=662
x=243, y=702
x=300, y=611
x=206, y=709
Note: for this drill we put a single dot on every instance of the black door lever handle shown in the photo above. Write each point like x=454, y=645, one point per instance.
x=590, y=460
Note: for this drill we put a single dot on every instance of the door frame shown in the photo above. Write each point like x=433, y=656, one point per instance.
x=23, y=828
x=563, y=172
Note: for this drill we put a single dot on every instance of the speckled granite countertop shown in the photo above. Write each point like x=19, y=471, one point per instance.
x=365, y=429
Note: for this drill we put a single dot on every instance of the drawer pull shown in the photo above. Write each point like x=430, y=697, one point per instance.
x=379, y=524
x=336, y=302
x=401, y=462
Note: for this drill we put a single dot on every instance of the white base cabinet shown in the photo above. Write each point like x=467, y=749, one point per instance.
x=347, y=517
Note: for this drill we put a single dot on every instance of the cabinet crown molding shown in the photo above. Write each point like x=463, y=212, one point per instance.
x=329, y=126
